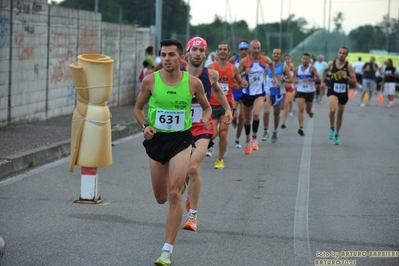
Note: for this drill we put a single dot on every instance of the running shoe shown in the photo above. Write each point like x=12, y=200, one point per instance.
x=337, y=140
x=283, y=125
x=265, y=136
x=274, y=137
x=255, y=146
x=164, y=259
x=238, y=145
x=219, y=164
x=291, y=114
x=191, y=222
x=300, y=132
x=311, y=115
x=209, y=152
x=248, y=147
x=331, y=134
x=188, y=207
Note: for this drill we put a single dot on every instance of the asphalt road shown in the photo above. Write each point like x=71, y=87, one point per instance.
x=294, y=202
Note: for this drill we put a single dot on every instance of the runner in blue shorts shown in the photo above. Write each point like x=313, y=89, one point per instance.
x=275, y=93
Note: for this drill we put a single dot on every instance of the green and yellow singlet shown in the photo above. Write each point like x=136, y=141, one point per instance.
x=169, y=106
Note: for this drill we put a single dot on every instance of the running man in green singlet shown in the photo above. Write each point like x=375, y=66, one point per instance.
x=168, y=140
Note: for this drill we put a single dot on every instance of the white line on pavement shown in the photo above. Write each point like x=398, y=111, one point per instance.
x=301, y=229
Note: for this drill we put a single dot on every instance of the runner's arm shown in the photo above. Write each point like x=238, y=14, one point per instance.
x=197, y=89
x=325, y=71
x=352, y=77
x=232, y=59
x=242, y=68
x=146, y=91
x=237, y=77
x=288, y=78
x=271, y=67
x=314, y=72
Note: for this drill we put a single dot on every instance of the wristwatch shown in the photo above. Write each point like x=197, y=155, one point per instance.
x=143, y=126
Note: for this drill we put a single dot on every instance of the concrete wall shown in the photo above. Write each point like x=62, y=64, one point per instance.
x=38, y=42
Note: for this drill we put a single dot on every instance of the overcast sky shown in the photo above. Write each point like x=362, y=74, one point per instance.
x=356, y=12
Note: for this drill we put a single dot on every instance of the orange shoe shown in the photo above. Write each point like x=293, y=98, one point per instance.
x=191, y=222
x=188, y=204
x=255, y=146
x=248, y=147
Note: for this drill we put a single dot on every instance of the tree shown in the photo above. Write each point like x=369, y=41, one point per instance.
x=138, y=12
x=366, y=38
x=338, y=20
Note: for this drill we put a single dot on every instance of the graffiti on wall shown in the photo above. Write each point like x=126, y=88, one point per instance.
x=28, y=28
x=88, y=41
x=63, y=55
x=4, y=31
x=23, y=52
x=23, y=7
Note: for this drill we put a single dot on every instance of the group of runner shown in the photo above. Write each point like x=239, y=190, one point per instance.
x=189, y=105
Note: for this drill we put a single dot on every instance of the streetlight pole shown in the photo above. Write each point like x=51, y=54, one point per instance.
x=96, y=6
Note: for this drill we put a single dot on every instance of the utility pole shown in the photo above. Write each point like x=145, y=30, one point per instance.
x=225, y=22
x=329, y=27
x=158, y=24
x=324, y=29
x=256, y=27
x=329, y=18
x=96, y=6
x=388, y=25
x=188, y=22
x=281, y=26
x=397, y=35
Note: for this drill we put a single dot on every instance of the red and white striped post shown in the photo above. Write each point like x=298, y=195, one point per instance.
x=88, y=187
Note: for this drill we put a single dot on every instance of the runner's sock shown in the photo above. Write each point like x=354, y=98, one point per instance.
x=168, y=247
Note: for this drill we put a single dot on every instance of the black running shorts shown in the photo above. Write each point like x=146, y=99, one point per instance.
x=342, y=97
x=308, y=96
x=248, y=100
x=164, y=146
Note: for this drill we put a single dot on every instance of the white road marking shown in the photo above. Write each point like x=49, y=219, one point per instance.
x=301, y=228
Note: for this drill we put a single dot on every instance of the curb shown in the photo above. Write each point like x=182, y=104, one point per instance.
x=26, y=160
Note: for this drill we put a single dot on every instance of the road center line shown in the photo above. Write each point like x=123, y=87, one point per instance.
x=301, y=228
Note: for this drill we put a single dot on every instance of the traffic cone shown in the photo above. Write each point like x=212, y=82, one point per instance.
x=351, y=94
x=380, y=98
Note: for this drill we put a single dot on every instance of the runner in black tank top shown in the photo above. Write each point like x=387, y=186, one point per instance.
x=341, y=75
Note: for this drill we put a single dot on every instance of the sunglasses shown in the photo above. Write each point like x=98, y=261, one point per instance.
x=244, y=49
